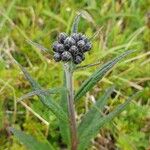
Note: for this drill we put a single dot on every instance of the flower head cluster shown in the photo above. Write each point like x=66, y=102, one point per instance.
x=71, y=48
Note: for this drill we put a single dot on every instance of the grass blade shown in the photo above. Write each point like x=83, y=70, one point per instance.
x=30, y=142
x=98, y=75
x=46, y=100
x=54, y=16
x=95, y=34
x=92, y=131
x=7, y=13
x=38, y=46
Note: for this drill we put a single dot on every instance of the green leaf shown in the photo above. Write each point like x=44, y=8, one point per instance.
x=75, y=24
x=94, y=113
x=43, y=92
x=45, y=99
x=30, y=142
x=91, y=132
x=64, y=127
x=98, y=75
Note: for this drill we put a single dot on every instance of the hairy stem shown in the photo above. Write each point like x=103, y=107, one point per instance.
x=71, y=109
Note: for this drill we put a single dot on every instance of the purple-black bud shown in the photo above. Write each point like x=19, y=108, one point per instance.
x=80, y=44
x=66, y=56
x=77, y=59
x=75, y=36
x=69, y=41
x=73, y=50
x=81, y=55
x=80, y=36
x=55, y=46
x=87, y=47
x=71, y=47
x=57, y=57
x=61, y=38
x=84, y=38
x=60, y=48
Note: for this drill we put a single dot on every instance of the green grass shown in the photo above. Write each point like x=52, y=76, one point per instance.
x=123, y=28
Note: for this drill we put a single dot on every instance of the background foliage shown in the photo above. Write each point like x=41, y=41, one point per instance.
x=124, y=25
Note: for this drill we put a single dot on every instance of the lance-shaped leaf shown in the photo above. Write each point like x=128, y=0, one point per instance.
x=98, y=75
x=91, y=131
x=64, y=127
x=95, y=113
x=75, y=24
x=45, y=99
x=43, y=92
x=30, y=142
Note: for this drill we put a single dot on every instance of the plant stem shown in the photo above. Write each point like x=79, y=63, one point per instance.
x=71, y=109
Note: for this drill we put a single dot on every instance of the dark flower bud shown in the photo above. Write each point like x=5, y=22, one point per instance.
x=80, y=36
x=84, y=38
x=73, y=50
x=62, y=36
x=69, y=41
x=72, y=47
x=75, y=36
x=57, y=57
x=66, y=56
x=77, y=59
x=55, y=46
x=81, y=55
x=81, y=44
x=87, y=47
x=60, y=48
